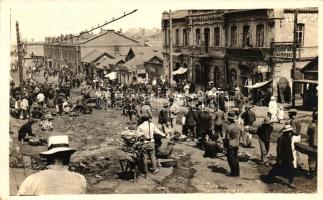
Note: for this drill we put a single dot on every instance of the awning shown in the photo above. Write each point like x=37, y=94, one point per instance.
x=258, y=85
x=306, y=81
x=176, y=54
x=111, y=75
x=180, y=70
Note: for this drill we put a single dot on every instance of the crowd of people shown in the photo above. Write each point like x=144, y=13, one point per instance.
x=208, y=119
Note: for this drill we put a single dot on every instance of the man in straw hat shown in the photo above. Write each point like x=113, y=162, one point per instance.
x=284, y=161
x=264, y=132
x=232, y=133
x=56, y=179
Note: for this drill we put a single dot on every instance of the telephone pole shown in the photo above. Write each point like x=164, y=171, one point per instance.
x=20, y=68
x=294, y=56
x=170, y=52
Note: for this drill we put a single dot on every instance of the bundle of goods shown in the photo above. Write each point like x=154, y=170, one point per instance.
x=305, y=149
x=132, y=145
x=252, y=130
x=243, y=156
x=212, y=148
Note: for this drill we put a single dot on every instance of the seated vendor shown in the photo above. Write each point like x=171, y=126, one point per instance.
x=25, y=131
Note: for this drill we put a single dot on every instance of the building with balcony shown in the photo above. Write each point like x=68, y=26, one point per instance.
x=237, y=48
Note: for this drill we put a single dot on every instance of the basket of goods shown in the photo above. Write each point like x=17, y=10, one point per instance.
x=168, y=163
x=305, y=149
x=132, y=144
x=243, y=156
x=251, y=129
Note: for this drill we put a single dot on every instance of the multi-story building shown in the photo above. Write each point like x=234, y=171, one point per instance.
x=240, y=47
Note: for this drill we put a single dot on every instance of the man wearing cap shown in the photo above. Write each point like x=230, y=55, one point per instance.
x=264, y=132
x=218, y=122
x=56, y=179
x=248, y=118
x=284, y=161
x=190, y=122
x=163, y=117
x=232, y=133
x=146, y=113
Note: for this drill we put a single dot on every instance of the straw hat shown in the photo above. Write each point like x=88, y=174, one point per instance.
x=231, y=115
x=58, y=144
x=165, y=104
x=293, y=111
x=287, y=128
x=237, y=89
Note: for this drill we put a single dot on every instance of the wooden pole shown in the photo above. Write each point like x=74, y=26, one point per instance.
x=170, y=52
x=20, y=67
x=294, y=56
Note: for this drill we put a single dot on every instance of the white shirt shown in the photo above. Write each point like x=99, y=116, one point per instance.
x=148, y=129
x=40, y=97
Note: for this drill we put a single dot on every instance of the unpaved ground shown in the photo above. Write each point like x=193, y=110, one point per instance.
x=96, y=136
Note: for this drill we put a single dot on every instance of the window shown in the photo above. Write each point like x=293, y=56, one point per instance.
x=260, y=35
x=300, y=34
x=185, y=37
x=233, y=36
x=177, y=37
x=217, y=36
x=246, y=36
x=198, y=36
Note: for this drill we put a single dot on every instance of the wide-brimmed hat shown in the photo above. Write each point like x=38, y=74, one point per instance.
x=58, y=144
x=267, y=120
x=237, y=89
x=48, y=116
x=293, y=111
x=165, y=104
x=287, y=128
x=231, y=115
x=248, y=106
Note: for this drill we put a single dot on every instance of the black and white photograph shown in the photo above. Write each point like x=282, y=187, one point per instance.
x=121, y=97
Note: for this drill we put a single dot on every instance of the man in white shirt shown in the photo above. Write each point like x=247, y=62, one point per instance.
x=148, y=129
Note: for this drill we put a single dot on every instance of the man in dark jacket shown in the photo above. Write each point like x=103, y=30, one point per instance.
x=206, y=124
x=284, y=161
x=190, y=122
x=163, y=117
x=264, y=132
x=218, y=122
x=25, y=130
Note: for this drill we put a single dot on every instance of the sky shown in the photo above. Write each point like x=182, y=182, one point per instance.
x=38, y=19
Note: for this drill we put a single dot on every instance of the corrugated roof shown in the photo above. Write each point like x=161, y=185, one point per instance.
x=94, y=55
x=106, y=32
x=140, y=60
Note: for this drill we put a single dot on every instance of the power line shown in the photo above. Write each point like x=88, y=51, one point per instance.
x=98, y=26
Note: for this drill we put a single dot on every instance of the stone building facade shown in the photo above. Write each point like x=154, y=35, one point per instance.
x=235, y=48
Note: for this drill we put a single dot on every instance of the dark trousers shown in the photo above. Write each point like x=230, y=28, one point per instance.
x=286, y=170
x=232, y=156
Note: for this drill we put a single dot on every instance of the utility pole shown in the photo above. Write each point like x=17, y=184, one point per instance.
x=170, y=52
x=20, y=68
x=294, y=56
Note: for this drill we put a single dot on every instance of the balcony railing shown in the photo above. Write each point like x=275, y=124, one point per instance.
x=197, y=50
